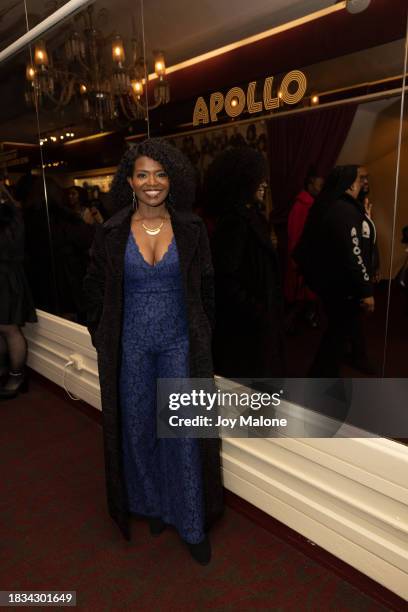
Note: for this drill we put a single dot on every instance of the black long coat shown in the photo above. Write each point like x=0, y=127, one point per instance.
x=103, y=288
x=248, y=338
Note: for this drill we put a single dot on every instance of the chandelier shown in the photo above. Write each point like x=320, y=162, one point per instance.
x=81, y=69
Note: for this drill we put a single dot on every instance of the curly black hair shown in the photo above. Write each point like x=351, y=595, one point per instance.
x=233, y=178
x=175, y=163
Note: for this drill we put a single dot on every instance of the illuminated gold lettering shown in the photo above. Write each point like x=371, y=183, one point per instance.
x=235, y=102
x=295, y=76
x=253, y=107
x=216, y=105
x=200, y=112
x=269, y=102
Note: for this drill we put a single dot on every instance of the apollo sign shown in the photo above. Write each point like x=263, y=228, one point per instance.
x=291, y=91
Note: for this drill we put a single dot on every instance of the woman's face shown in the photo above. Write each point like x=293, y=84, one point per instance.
x=261, y=191
x=150, y=182
x=73, y=197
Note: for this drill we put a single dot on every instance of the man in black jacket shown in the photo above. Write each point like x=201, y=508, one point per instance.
x=335, y=255
x=358, y=357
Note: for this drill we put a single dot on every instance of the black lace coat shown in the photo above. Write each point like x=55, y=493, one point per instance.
x=103, y=289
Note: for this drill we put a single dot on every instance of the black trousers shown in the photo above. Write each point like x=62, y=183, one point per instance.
x=344, y=322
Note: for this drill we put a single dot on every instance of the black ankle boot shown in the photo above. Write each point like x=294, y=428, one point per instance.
x=156, y=526
x=16, y=382
x=201, y=552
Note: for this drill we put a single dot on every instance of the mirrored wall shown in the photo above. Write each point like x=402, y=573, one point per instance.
x=306, y=88
x=309, y=91
x=70, y=100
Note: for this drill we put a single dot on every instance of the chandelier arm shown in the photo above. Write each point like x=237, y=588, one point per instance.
x=153, y=106
x=64, y=73
x=135, y=103
x=149, y=106
x=133, y=108
x=68, y=90
x=131, y=104
x=52, y=98
x=124, y=109
x=85, y=66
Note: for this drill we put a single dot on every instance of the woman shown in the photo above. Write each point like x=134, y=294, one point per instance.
x=149, y=291
x=248, y=340
x=335, y=256
x=16, y=303
x=56, y=274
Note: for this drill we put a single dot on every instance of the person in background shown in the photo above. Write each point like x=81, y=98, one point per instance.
x=56, y=253
x=363, y=196
x=96, y=205
x=357, y=357
x=334, y=254
x=248, y=337
x=302, y=302
x=76, y=199
x=16, y=303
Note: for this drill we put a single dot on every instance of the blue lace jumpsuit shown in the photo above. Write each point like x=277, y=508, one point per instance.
x=163, y=476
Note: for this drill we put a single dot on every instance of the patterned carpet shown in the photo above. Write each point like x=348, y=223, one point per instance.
x=56, y=534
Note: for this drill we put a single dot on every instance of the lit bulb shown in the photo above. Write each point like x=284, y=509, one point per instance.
x=280, y=95
x=118, y=51
x=40, y=54
x=137, y=87
x=82, y=89
x=234, y=102
x=315, y=99
x=30, y=73
x=159, y=64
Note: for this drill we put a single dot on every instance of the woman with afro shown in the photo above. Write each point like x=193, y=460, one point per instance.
x=248, y=339
x=150, y=303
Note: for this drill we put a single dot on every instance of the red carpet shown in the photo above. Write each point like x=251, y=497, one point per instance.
x=56, y=534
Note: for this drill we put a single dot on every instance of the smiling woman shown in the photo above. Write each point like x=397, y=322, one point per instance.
x=150, y=186
x=70, y=105
x=148, y=288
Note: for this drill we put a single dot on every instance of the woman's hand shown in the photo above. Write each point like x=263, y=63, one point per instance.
x=96, y=215
x=87, y=216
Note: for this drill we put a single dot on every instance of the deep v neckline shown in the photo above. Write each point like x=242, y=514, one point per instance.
x=143, y=259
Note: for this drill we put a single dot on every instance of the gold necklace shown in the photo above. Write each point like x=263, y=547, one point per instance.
x=153, y=231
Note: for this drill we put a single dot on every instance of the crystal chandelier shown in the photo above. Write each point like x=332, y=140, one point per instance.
x=81, y=70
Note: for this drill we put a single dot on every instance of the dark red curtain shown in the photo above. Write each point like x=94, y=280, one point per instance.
x=295, y=143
